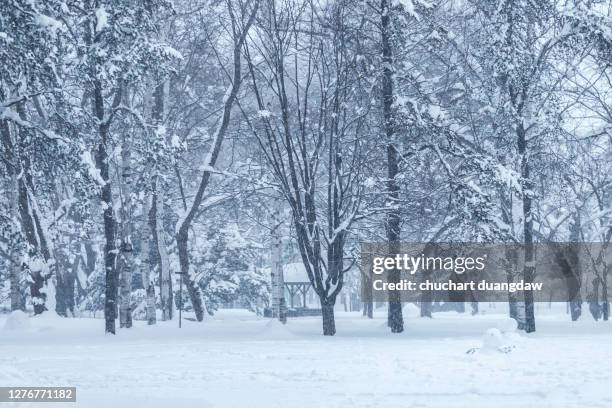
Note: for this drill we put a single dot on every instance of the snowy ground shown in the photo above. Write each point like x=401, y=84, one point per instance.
x=240, y=360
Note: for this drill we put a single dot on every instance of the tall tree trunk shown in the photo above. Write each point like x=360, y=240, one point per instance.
x=392, y=222
x=165, y=281
x=16, y=303
x=515, y=307
x=15, y=261
x=11, y=188
x=511, y=258
x=278, y=281
x=61, y=279
x=573, y=274
x=126, y=261
x=72, y=279
x=156, y=214
x=527, y=197
x=148, y=262
x=605, y=238
x=103, y=165
x=367, y=296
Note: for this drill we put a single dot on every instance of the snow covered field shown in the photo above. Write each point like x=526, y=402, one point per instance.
x=237, y=359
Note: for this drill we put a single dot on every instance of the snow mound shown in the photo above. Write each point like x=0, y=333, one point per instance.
x=494, y=341
x=275, y=330
x=17, y=320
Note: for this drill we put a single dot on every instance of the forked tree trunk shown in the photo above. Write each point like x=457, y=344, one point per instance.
x=182, y=234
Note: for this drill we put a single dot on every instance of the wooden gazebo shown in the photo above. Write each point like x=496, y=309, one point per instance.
x=297, y=285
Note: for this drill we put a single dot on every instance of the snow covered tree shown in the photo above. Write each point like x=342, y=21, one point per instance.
x=116, y=45
x=521, y=42
x=40, y=144
x=240, y=19
x=308, y=123
x=224, y=261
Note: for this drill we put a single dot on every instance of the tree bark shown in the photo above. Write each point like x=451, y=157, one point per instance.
x=278, y=281
x=392, y=223
x=15, y=262
x=11, y=188
x=572, y=268
x=165, y=282
x=367, y=296
x=110, y=254
x=329, y=322
x=148, y=265
x=126, y=261
x=529, y=267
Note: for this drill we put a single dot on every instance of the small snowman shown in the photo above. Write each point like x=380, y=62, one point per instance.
x=496, y=340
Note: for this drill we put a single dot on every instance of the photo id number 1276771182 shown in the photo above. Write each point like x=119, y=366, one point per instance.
x=37, y=394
